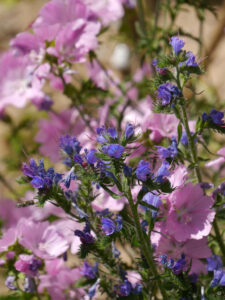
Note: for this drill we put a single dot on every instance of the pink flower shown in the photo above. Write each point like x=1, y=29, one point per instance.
x=73, y=27
x=67, y=227
x=11, y=214
x=217, y=163
x=161, y=125
x=190, y=214
x=18, y=81
x=43, y=239
x=59, y=279
x=178, y=177
x=108, y=10
x=8, y=239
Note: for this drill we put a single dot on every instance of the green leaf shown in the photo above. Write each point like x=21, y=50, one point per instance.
x=22, y=180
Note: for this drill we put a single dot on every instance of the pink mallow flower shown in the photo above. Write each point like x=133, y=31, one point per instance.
x=59, y=280
x=190, y=214
x=19, y=81
x=73, y=27
x=43, y=239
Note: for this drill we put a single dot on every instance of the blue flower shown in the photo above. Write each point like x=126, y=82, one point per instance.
x=169, y=152
x=179, y=265
x=214, y=263
x=78, y=159
x=70, y=145
x=144, y=224
x=163, y=259
x=176, y=44
x=219, y=275
x=89, y=271
x=154, y=200
x=163, y=171
x=191, y=62
x=214, y=116
x=167, y=92
x=91, y=157
x=37, y=182
x=125, y=288
x=10, y=282
x=143, y=170
x=69, y=177
x=40, y=177
x=112, y=132
x=127, y=171
x=114, y=150
x=108, y=226
x=85, y=235
x=129, y=131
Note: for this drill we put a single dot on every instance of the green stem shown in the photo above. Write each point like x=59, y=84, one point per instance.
x=145, y=246
x=141, y=16
x=219, y=239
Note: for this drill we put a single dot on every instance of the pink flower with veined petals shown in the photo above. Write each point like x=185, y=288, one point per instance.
x=43, y=239
x=58, y=279
x=190, y=214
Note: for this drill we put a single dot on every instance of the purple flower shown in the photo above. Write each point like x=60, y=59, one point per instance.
x=129, y=131
x=91, y=158
x=92, y=289
x=108, y=226
x=89, y=271
x=191, y=62
x=127, y=171
x=176, y=44
x=179, y=265
x=143, y=170
x=29, y=285
x=10, y=282
x=163, y=171
x=115, y=150
x=215, y=116
x=70, y=176
x=154, y=200
x=115, y=251
x=40, y=177
x=167, y=92
x=218, y=276
x=37, y=182
x=125, y=288
x=169, y=152
x=163, y=259
x=214, y=263
x=70, y=145
x=112, y=133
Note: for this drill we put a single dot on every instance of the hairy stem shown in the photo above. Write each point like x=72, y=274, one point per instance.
x=145, y=246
